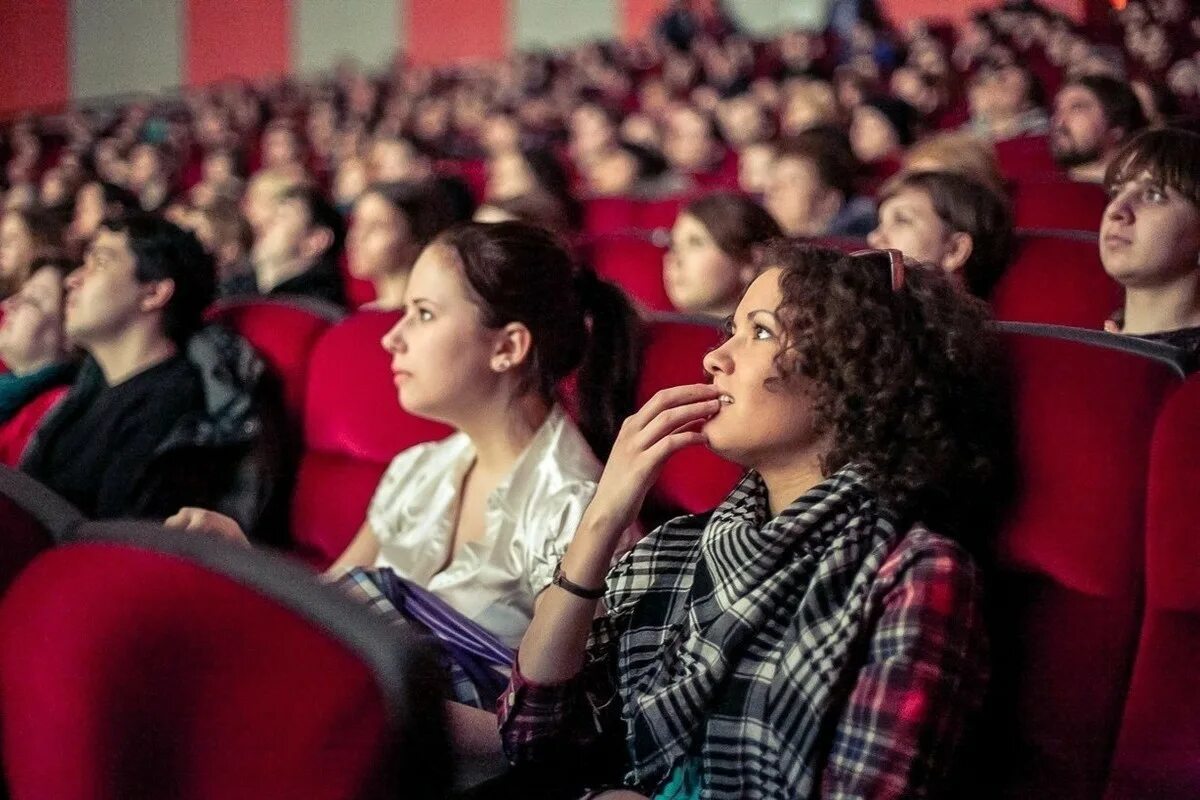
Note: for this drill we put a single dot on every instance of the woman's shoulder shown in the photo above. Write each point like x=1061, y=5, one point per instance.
x=427, y=459
x=924, y=561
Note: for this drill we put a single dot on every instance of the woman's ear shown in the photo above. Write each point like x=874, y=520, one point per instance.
x=513, y=345
x=958, y=249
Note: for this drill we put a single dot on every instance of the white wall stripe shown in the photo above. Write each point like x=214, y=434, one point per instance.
x=123, y=46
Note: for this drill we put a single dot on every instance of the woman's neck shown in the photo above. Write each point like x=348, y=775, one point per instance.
x=787, y=481
x=502, y=435
x=1166, y=308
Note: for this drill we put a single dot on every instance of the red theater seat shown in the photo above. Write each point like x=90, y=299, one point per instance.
x=1068, y=592
x=284, y=332
x=1058, y=204
x=660, y=213
x=19, y=429
x=695, y=479
x=1026, y=156
x=353, y=427
x=32, y=519
x=634, y=263
x=1057, y=279
x=603, y=215
x=1158, y=753
x=205, y=670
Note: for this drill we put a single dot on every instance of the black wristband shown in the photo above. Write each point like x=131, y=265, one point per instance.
x=560, y=580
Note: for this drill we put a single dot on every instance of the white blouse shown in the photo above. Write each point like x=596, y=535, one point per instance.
x=530, y=518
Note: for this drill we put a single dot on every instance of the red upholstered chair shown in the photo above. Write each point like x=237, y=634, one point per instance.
x=635, y=263
x=1158, y=752
x=353, y=427
x=32, y=519
x=19, y=429
x=1068, y=592
x=603, y=215
x=660, y=213
x=694, y=479
x=140, y=662
x=284, y=333
x=1057, y=279
x=1058, y=204
x=1026, y=156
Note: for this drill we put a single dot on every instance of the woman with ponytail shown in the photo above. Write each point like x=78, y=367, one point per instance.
x=464, y=534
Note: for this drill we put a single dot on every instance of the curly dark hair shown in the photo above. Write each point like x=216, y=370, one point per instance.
x=909, y=383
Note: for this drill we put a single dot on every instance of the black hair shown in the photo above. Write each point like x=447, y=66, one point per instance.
x=164, y=251
x=321, y=214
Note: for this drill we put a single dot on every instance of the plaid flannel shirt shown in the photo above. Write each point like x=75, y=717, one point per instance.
x=920, y=683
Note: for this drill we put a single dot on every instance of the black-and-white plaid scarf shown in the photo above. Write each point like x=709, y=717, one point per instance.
x=735, y=641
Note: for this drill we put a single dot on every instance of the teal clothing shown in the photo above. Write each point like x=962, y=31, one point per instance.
x=684, y=784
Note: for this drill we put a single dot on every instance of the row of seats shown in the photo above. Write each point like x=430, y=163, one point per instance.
x=199, y=669
x=1098, y=614
x=1056, y=277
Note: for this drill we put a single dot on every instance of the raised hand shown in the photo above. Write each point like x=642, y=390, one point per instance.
x=209, y=523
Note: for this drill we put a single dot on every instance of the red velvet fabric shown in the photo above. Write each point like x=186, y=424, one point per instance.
x=284, y=335
x=1158, y=753
x=16, y=433
x=1070, y=555
x=1058, y=204
x=359, y=292
x=634, y=264
x=176, y=682
x=1057, y=280
x=694, y=479
x=21, y=540
x=353, y=427
x=609, y=215
x=1026, y=156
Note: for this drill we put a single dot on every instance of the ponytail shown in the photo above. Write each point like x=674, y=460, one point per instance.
x=608, y=375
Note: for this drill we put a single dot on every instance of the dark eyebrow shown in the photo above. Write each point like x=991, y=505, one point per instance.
x=774, y=317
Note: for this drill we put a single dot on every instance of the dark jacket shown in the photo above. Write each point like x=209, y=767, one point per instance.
x=226, y=456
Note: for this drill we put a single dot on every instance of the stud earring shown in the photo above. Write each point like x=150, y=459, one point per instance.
x=504, y=365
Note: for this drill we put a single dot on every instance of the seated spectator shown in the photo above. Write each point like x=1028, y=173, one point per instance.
x=495, y=318
x=629, y=170
x=852, y=391
x=712, y=256
x=282, y=150
x=397, y=158
x=592, y=130
x=691, y=142
x=163, y=413
x=263, y=194
x=1006, y=102
x=150, y=176
x=811, y=189
x=754, y=167
x=94, y=202
x=1093, y=116
x=537, y=174
x=880, y=129
x=392, y=224
x=950, y=221
x=1150, y=238
x=34, y=348
x=298, y=252
x=808, y=103
x=225, y=235
x=960, y=153
x=25, y=236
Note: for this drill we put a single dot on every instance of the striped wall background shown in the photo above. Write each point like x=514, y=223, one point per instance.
x=52, y=51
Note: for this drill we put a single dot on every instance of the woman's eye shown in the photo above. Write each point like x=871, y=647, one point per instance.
x=424, y=315
x=1153, y=195
x=762, y=333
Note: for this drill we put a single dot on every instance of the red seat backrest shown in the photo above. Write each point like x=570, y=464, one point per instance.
x=695, y=479
x=634, y=263
x=1026, y=156
x=284, y=332
x=1158, y=752
x=16, y=433
x=1058, y=204
x=1070, y=556
x=660, y=213
x=603, y=215
x=1059, y=280
x=353, y=427
x=200, y=676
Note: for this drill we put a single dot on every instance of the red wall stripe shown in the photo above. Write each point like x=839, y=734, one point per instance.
x=225, y=39
x=445, y=31
x=34, y=65
x=638, y=16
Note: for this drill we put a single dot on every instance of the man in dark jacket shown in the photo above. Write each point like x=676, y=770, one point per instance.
x=297, y=253
x=163, y=413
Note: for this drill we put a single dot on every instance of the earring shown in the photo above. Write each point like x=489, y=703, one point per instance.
x=504, y=365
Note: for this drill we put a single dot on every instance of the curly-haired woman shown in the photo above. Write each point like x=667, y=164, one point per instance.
x=820, y=633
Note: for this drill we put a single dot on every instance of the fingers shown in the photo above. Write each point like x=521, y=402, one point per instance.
x=671, y=397
x=669, y=445
x=672, y=419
